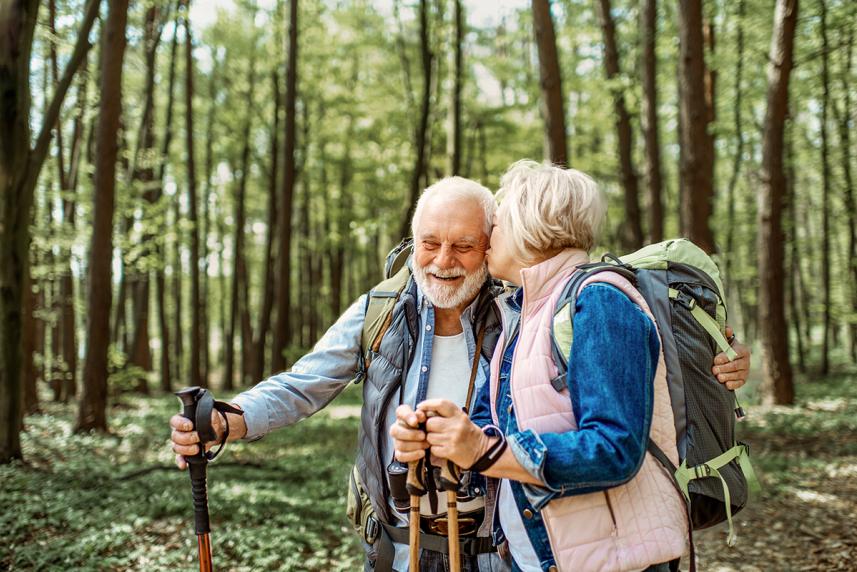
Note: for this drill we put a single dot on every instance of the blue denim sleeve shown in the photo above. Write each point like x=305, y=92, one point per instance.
x=610, y=380
x=311, y=383
x=481, y=414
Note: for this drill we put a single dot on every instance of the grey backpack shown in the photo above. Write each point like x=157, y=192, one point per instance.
x=682, y=287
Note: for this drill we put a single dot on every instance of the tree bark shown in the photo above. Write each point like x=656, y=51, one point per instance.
x=195, y=299
x=239, y=271
x=282, y=331
x=632, y=228
x=93, y=405
x=651, y=132
x=264, y=326
x=553, y=110
x=206, y=218
x=697, y=143
x=739, y=146
x=777, y=382
x=421, y=131
x=160, y=244
x=453, y=129
x=825, y=192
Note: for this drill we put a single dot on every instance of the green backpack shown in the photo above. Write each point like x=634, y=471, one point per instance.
x=683, y=289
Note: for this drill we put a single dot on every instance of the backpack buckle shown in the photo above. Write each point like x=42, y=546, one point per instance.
x=701, y=471
x=688, y=302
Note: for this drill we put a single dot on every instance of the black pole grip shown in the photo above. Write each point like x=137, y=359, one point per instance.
x=189, y=397
x=200, y=498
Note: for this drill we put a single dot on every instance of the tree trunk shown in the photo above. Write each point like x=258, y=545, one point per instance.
x=160, y=244
x=551, y=84
x=651, y=132
x=282, y=331
x=777, y=382
x=848, y=181
x=453, y=129
x=240, y=296
x=268, y=280
x=632, y=227
x=421, y=131
x=206, y=219
x=93, y=405
x=790, y=208
x=195, y=299
x=825, y=192
x=697, y=144
x=739, y=147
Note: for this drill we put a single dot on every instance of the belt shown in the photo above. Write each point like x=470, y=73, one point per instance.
x=469, y=546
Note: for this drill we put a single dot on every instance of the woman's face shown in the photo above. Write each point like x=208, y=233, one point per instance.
x=501, y=263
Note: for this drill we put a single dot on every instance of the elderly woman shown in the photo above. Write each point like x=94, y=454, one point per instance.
x=576, y=489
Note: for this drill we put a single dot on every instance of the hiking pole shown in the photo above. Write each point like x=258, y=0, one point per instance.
x=414, y=517
x=198, y=404
x=449, y=479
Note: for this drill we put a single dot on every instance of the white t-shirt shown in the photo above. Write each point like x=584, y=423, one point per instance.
x=448, y=379
x=513, y=527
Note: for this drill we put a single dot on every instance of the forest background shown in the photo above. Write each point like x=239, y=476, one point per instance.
x=192, y=191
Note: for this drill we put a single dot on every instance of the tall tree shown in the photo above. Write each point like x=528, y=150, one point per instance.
x=777, y=382
x=282, y=331
x=550, y=79
x=651, y=133
x=738, y=122
x=421, y=130
x=93, y=405
x=843, y=120
x=20, y=164
x=632, y=226
x=264, y=325
x=825, y=190
x=195, y=299
x=453, y=129
x=697, y=142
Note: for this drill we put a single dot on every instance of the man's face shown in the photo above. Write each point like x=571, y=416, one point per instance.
x=449, y=251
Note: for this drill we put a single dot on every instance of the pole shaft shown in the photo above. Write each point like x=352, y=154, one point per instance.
x=452, y=531
x=204, y=543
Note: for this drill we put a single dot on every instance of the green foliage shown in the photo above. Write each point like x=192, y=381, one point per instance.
x=278, y=504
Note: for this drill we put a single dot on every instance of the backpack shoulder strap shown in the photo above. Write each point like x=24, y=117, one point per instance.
x=380, y=302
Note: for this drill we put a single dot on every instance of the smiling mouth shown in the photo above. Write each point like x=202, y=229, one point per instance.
x=445, y=278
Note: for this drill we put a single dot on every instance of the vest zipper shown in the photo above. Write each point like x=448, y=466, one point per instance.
x=612, y=514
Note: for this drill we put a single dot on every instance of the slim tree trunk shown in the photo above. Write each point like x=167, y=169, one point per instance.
x=790, y=207
x=421, y=131
x=160, y=244
x=825, y=192
x=651, y=132
x=206, y=218
x=195, y=300
x=739, y=145
x=282, y=331
x=843, y=121
x=453, y=129
x=697, y=143
x=777, y=382
x=632, y=228
x=269, y=262
x=93, y=405
x=551, y=84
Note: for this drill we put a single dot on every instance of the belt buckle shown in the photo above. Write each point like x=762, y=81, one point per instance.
x=440, y=526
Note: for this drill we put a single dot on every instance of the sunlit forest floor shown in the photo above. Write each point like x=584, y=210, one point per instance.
x=115, y=502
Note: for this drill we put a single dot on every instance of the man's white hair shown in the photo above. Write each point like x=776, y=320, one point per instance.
x=457, y=188
x=547, y=208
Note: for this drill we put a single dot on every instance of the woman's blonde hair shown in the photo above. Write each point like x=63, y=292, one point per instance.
x=545, y=208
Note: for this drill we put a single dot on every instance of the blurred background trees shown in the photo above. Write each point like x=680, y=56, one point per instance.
x=268, y=153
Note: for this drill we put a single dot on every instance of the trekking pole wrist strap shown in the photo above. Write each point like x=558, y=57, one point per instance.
x=493, y=453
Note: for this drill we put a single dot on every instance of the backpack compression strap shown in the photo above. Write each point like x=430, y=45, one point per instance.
x=380, y=302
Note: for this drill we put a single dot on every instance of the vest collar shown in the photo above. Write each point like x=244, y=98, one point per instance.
x=539, y=281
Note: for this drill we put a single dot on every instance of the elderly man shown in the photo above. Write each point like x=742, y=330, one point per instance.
x=443, y=321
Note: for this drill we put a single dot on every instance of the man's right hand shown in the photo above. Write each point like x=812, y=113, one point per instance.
x=185, y=441
x=408, y=440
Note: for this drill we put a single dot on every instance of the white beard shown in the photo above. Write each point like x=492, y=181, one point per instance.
x=449, y=295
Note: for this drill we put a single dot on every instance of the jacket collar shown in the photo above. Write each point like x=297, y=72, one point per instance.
x=540, y=280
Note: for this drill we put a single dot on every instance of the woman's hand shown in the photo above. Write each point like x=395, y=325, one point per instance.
x=451, y=433
x=409, y=441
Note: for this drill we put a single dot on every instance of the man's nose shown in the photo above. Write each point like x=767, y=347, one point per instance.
x=446, y=257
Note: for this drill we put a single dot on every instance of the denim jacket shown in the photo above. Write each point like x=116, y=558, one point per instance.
x=611, y=368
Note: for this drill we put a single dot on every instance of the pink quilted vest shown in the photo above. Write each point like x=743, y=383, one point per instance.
x=629, y=527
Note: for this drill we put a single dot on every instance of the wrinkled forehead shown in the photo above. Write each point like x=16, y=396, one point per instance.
x=452, y=220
